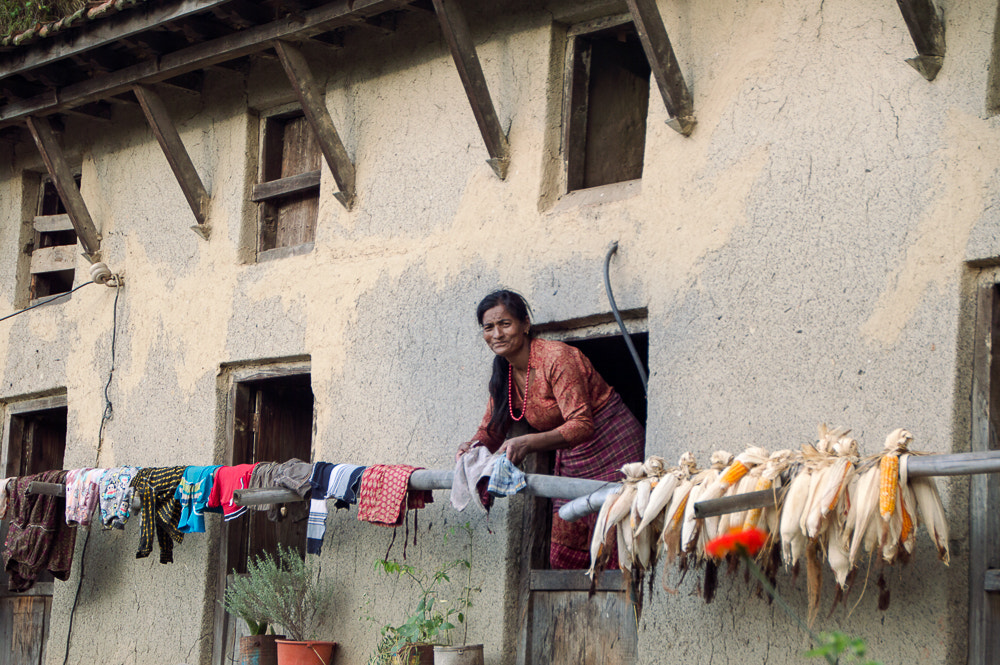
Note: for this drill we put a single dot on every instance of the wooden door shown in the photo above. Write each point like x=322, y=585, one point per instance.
x=37, y=443
x=984, y=498
x=271, y=420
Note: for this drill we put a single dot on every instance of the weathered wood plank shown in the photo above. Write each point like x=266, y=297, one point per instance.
x=173, y=149
x=37, y=404
x=198, y=56
x=62, y=178
x=284, y=186
x=463, y=51
x=52, y=223
x=50, y=259
x=927, y=30
x=663, y=62
x=575, y=580
x=597, y=24
x=313, y=105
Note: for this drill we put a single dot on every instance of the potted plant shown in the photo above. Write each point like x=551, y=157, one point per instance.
x=284, y=591
x=465, y=653
x=417, y=641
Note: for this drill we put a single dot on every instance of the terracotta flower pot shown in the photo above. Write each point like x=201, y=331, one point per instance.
x=259, y=649
x=309, y=652
x=471, y=654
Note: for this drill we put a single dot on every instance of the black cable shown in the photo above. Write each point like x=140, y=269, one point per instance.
x=45, y=302
x=618, y=317
x=105, y=417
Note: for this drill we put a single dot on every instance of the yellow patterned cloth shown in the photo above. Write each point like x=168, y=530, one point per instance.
x=160, y=510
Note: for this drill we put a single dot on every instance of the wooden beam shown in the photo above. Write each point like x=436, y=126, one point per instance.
x=314, y=107
x=52, y=223
x=198, y=56
x=51, y=259
x=62, y=178
x=285, y=186
x=100, y=111
x=463, y=51
x=177, y=156
x=927, y=30
x=663, y=62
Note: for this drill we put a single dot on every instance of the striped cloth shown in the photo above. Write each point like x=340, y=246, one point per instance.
x=618, y=439
x=160, y=510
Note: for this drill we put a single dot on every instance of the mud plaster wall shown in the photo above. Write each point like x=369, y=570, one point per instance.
x=800, y=256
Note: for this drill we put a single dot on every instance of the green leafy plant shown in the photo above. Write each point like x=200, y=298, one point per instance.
x=432, y=620
x=19, y=15
x=282, y=591
x=835, y=645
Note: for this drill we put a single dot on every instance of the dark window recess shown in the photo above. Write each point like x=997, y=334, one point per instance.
x=289, y=187
x=53, y=249
x=274, y=422
x=612, y=360
x=37, y=441
x=608, y=97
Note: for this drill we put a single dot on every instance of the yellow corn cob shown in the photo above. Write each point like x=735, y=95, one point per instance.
x=888, y=485
x=733, y=472
x=679, y=513
x=753, y=515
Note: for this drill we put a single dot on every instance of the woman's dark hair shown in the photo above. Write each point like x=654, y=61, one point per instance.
x=516, y=305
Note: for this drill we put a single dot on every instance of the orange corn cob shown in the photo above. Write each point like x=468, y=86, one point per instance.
x=753, y=515
x=679, y=514
x=888, y=485
x=733, y=472
x=907, y=523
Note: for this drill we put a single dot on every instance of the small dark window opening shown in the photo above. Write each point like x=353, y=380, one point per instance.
x=37, y=441
x=608, y=97
x=52, y=270
x=289, y=187
x=612, y=360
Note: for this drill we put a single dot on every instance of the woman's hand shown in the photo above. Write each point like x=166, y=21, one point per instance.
x=517, y=448
x=463, y=448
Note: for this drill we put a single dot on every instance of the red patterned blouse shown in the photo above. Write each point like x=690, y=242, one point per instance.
x=564, y=392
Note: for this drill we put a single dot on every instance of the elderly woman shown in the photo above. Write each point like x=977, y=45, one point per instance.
x=553, y=388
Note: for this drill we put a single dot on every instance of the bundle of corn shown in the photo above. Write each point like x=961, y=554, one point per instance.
x=673, y=516
x=740, y=477
x=696, y=532
x=614, y=510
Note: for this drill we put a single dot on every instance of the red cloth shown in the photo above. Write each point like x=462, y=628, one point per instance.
x=383, y=497
x=564, y=393
x=227, y=479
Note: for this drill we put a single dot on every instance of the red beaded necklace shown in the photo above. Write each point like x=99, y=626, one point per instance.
x=510, y=391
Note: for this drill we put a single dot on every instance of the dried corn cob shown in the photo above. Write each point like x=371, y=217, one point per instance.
x=888, y=485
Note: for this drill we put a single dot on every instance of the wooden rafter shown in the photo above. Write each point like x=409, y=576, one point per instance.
x=663, y=62
x=314, y=108
x=177, y=156
x=463, y=51
x=245, y=42
x=62, y=178
x=927, y=30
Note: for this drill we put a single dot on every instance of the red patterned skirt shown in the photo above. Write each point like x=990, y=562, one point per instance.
x=618, y=439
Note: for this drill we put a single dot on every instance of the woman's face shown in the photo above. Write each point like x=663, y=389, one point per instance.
x=503, y=332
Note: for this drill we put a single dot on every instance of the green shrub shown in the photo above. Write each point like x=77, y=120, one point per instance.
x=19, y=15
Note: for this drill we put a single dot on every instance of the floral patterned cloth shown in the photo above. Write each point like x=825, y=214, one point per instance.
x=384, y=498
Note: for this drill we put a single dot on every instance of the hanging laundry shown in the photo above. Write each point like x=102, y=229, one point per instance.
x=344, y=482
x=384, y=497
x=82, y=493
x=192, y=493
x=267, y=475
x=469, y=470
x=37, y=537
x=506, y=479
x=316, y=527
x=115, y=496
x=3, y=497
x=227, y=480
x=160, y=509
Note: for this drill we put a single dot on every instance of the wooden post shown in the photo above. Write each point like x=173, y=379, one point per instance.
x=62, y=178
x=663, y=62
x=177, y=156
x=314, y=108
x=463, y=51
x=927, y=30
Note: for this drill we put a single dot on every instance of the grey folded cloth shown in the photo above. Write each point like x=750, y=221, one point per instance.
x=469, y=468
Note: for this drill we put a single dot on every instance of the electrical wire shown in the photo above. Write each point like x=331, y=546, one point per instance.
x=105, y=417
x=45, y=302
x=618, y=317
